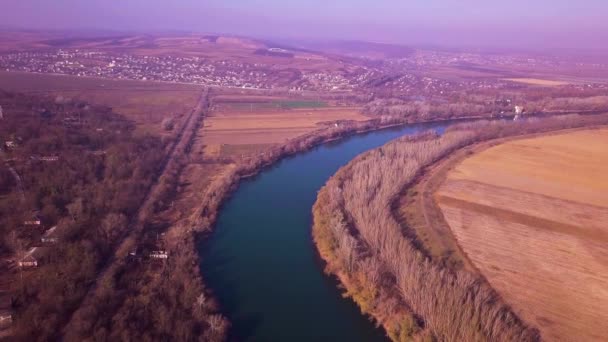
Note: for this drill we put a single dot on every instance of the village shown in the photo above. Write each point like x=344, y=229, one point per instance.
x=408, y=76
x=196, y=70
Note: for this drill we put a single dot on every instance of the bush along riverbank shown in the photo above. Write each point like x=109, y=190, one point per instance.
x=410, y=295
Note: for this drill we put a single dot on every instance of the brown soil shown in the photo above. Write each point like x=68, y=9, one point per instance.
x=530, y=215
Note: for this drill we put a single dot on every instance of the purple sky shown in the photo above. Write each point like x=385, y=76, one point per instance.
x=519, y=23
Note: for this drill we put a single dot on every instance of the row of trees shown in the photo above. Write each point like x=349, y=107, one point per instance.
x=486, y=104
x=409, y=294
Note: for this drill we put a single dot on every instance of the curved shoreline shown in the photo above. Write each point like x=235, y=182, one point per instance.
x=326, y=246
x=203, y=220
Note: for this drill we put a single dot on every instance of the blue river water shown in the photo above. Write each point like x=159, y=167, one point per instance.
x=261, y=263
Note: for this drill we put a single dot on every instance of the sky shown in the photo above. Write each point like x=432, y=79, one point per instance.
x=481, y=23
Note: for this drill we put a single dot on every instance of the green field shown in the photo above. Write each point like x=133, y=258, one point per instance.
x=280, y=104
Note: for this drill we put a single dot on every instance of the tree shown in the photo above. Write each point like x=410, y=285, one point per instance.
x=75, y=209
x=112, y=224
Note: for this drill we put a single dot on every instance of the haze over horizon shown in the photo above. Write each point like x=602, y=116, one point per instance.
x=518, y=23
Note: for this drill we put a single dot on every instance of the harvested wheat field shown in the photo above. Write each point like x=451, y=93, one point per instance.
x=254, y=130
x=537, y=82
x=531, y=215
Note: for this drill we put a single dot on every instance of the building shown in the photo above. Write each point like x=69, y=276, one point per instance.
x=28, y=262
x=6, y=311
x=6, y=318
x=49, y=240
x=159, y=255
x=1, y=113
x=34, y=222
x=10, y=144
x=519, y=110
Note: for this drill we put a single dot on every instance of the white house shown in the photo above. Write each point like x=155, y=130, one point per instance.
x=159, y=255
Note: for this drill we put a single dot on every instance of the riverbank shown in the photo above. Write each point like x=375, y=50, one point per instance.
x=200, y=224
x=383, y=270
x=181, y=283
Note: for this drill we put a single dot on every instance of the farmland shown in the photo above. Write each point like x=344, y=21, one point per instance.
x=233, y=106
x=537, y=82
x=530, y=215
x=146, y=103
x=237, y=128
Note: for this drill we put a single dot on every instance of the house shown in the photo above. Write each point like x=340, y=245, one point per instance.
x=49, y=240
x=35, y=219
x=159, y=255
x=49, y=158
x=10, y=144
x=6, y=318
x=6, y=312
x=50, y=236
x=35, y=222
x=28, y=262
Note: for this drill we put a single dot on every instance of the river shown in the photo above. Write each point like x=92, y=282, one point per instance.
x=261, y=262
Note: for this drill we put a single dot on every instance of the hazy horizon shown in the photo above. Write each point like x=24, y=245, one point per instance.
x=517, y=24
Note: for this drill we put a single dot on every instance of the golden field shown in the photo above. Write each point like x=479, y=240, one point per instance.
x=245, y=131
x=537, y=82
x=530, y=215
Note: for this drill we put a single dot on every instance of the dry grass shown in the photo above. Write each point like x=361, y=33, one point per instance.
x=537, y=82
x=146, y=103
x=530, y=214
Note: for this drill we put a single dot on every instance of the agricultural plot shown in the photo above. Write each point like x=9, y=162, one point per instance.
x=242, y=131
x=537, y=82
x=530, y=214
x=146, y=103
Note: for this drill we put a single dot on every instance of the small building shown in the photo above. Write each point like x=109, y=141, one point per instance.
x=50, y=158
x=6, y=310
x=6, y=318
x=159, y=255
x=10, y=144
x=519, y=110
x=28, y=262
x=33, y=222
x=50, y=236
x=49, y=240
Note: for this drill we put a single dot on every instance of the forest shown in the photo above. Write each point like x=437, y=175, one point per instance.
x=411, y=295
x=84, y=173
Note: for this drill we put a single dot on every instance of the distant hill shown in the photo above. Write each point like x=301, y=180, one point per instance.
x=356, y=48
